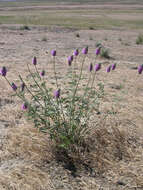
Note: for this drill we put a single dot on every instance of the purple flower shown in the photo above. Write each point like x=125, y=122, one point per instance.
x=3, y=71
x=97, y=67
x=57, y=93
x=97, y=52
x=76, y=52
x=34, y=61
x=113, y=66
x=22, y=86
x=70, y=58
x=53, y=53
x=85, y=50
x=69, y=62
x=14, y=87
x=24, y=106
x=108, y=69
x=90, y=67
x=140, y=69
x=42, y=73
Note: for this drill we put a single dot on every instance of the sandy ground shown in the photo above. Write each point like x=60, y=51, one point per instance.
x=17, y=47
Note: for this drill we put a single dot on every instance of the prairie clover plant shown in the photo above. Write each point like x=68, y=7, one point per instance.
x=63, y=112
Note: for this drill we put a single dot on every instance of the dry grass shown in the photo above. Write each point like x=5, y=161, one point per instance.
x=112, y=157
x=114, y=149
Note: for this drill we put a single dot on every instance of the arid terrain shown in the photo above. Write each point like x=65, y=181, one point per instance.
x=26, y=157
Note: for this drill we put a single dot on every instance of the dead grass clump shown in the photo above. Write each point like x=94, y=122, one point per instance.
x=96, y=154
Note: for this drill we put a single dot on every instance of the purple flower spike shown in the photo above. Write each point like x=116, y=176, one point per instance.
x=97, y=52
x=140, y=69
x=97, y=67
x=14, y=87
x=108, y=69
x=34, y=61
x=85, y=50
x=24, y=106
x=113, y=66
x=57, y=93
x=70, y=58
x=3, y=71
x=69, y=62
x=42, y=73
x=76, y=52
x=90, y=67
x=22, y=87
x=53, y=53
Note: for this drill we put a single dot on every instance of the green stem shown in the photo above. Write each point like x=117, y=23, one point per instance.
x=79, y=77
x=34, y=78
x=30, y=92
x=59, y=103
x=37, y=72
x=23, y=99
x=55, y=72
x=72, y=105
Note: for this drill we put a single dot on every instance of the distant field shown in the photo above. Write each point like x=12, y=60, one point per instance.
x=37, y=2
x=76, y=1
x=79, y=16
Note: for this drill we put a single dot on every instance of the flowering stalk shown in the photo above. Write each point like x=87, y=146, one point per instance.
x=53, y=53
x=96, y=68
x=30, y=92
x=86, y=88
x=22, y=87
x=35, y=63
x=75, y=53
x=47, y=99
x=34, y=78
x=14, y=87
x=72, y=106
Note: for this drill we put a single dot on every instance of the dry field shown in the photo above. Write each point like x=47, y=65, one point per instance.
x=27, y=161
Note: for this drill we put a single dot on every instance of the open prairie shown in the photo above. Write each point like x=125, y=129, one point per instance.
x=34, y=28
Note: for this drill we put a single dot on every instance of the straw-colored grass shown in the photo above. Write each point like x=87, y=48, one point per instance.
x=112, y=157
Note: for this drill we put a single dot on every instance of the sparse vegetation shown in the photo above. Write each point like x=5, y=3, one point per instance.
x=77, y=35
x=139, y=39
x=24, y=27
x=120, y=39
x=91, y=28
x=44, y=39
x=105, y=53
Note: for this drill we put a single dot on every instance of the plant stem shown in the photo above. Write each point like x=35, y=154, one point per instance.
x=54, y=65
x=59, y=103
x=37, y=72
x=30, y=91
x=72, y=106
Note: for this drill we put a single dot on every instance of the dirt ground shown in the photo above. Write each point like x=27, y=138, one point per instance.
x=25, y=155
